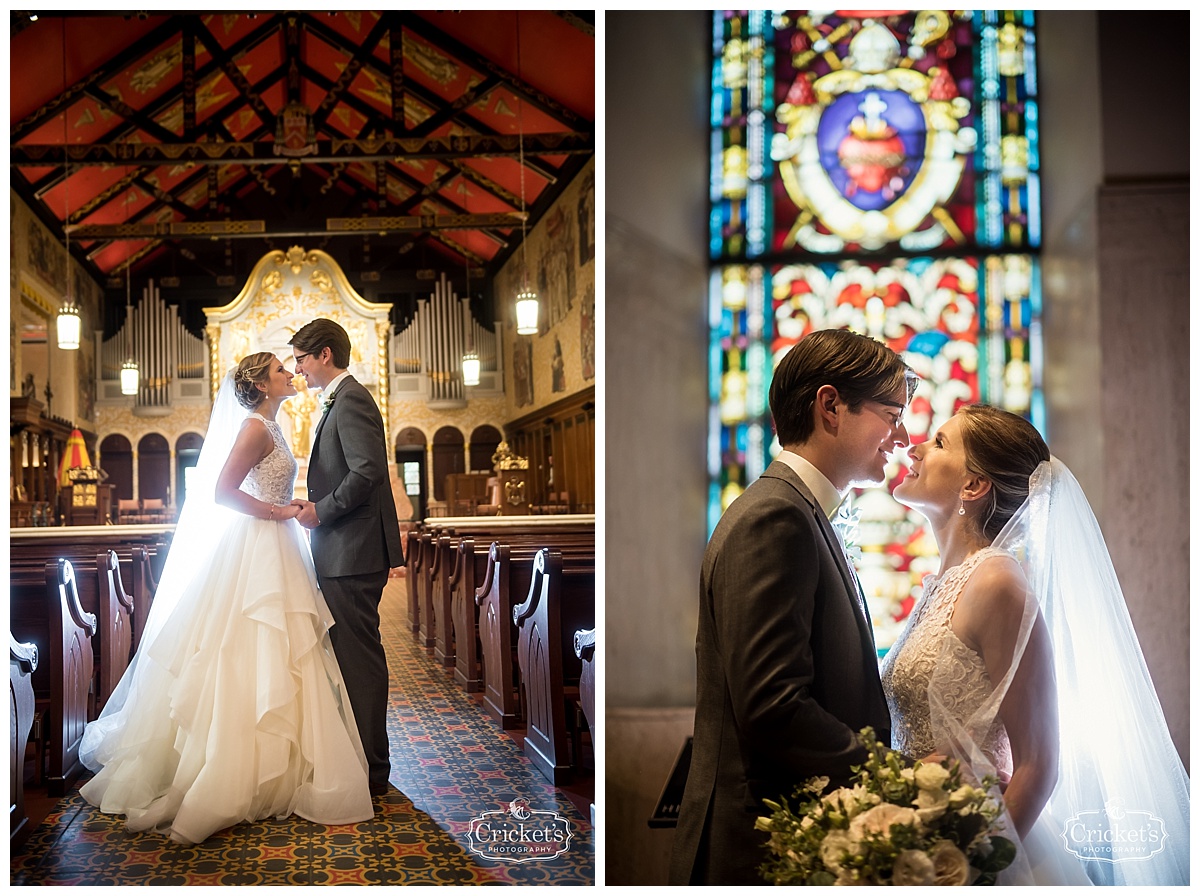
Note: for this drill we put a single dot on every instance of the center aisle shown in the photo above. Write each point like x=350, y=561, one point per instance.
x=450, y=765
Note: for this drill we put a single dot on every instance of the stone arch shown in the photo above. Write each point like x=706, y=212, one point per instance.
x=187, y=452
x=448, y=457
x=154, y=467
x=116, y=459
x=484, y=439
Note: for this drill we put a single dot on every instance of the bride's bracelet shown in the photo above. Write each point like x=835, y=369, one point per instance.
x=271, y=515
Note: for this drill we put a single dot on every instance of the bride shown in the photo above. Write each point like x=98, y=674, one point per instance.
x=233, y=708
x=1020, y=660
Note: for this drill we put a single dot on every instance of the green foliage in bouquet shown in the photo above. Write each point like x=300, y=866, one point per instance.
x=897, y=825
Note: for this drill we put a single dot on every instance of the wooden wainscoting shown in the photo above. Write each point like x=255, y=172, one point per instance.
x=566, y=432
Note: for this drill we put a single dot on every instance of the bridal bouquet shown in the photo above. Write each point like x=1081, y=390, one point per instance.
x=897, y=826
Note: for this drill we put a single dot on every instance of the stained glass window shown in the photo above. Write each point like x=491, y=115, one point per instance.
x=876, y=171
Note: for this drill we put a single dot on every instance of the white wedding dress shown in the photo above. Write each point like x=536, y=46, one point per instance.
x=234, y=708
x=928, y=651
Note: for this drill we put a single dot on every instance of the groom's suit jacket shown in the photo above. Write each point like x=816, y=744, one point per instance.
x=786, y=675
x=348, y=480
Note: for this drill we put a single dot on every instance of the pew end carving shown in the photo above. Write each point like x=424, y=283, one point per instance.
x=71, y=664
x=22, y=661
x=585, y=649
x=560, y=600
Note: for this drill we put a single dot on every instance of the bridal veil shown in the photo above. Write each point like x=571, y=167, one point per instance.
x=1121, y=806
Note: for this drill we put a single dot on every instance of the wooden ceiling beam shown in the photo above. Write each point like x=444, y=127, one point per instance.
x=131, y=115
x=357, y=60
x=160, y=104
x=328, y=151
x=430, y=99
x=546, y=104
x=110, y=69
x=451, y=112
x=251, y=94
x=376, y=226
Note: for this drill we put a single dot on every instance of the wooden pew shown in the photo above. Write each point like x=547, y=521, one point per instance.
x=561, y=600
x=585, y=649
x=440, y=597
x=506, y=581
x=141, y=551
x=412, y=561
x=115, y=611
x=465, y=576
x=424, y=586
x=470, y=563
x=52, y=615
x=101, y=593
x=22, y=660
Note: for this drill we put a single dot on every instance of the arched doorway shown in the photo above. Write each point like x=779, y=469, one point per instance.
x=484, y=440
x=448, y=458
x=410, y=468
x=187, y=452
x=116, y=459
x=154, y=468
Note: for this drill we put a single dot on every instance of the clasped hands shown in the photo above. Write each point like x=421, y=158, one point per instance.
x=306, y=516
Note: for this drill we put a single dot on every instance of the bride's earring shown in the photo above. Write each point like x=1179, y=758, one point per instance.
x=962, y=508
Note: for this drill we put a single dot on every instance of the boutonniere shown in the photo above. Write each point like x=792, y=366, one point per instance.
x=845, y=521
x=327, y=404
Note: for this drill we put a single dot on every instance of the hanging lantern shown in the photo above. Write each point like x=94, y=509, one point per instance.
x=527, y=300
x=527, y=312
x=69, y=327
x=129, y=377
x=471, y=368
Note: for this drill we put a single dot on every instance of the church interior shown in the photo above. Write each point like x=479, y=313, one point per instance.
x=189, y=188
x=1112, y=249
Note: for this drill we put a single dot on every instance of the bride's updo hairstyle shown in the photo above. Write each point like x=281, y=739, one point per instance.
x=251, y=372
x=1005, y=449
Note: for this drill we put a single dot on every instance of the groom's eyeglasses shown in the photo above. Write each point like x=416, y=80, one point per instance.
x=896, y=418
x=301, y=357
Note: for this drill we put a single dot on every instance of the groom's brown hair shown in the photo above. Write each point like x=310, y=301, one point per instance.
x=859, y=367
x=324, y=333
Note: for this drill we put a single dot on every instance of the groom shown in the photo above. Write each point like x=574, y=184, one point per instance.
x=355, y=536
x=786, y=668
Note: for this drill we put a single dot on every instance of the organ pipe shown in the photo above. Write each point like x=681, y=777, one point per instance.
x=162, y=346
x=435, y=340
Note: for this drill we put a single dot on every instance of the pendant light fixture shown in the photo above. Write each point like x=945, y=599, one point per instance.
x=527, y=300
x=129, y=370
x=470, y=360
x=69, y=323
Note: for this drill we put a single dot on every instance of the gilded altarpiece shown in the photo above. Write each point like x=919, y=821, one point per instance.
x=284, y=292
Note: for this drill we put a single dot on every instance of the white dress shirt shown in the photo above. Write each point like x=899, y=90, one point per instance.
x=818, y=483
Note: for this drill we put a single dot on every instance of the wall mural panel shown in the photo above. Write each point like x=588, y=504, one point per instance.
x=561, y=358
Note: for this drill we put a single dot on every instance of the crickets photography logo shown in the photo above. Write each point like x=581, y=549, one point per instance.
x=518, y=833
x=1115, y=834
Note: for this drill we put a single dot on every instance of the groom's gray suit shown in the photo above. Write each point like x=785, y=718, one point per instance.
x=354, y=546
x=786, y=675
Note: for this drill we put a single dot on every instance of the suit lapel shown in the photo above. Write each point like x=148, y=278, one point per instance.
x=325, y=414
x=832, y=540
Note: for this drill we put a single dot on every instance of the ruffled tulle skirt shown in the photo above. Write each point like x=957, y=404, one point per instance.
x=234, y=708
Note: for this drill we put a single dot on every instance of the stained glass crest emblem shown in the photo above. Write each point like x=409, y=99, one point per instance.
x=873, y=150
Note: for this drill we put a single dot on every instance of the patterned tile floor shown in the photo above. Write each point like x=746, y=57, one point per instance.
x=450, y=764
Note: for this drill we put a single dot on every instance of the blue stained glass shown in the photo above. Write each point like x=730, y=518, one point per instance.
x=763, y=209
x=714, y=506
x=714, y=370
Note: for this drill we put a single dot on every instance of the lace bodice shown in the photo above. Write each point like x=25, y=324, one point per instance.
x=928, y=645
x=273, y=477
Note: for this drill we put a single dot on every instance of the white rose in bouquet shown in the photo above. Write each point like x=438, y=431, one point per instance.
x=912, y=869
x=950, y=866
